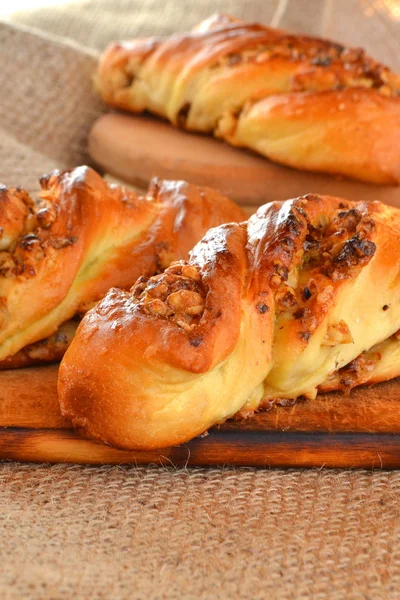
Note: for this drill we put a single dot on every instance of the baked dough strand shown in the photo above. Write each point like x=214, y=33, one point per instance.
x=263, y=311
x=84, y=236
x=301, y=101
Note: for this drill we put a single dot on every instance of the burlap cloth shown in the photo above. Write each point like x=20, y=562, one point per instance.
x=141, y=533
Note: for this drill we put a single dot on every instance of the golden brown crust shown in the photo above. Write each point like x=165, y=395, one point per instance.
x=16, y=209
x=291, y=98
x=379, y=363
x=85, y=236
x=351, y=132
x=48, y=350
x=174, y=347
x=262, y=311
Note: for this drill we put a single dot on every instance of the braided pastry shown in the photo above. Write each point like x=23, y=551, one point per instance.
x=47, y=350
x=301, y=101
x=84, y=236
x=265, y=310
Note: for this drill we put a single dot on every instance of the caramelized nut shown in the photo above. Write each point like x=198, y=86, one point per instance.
x=158, y=307
x=183, y=322
x=275, y=281
x=159, y=290
x=185, y=301
x=337, y=333
x=139, y=286
x=191, y=272
x=46, y=217
x=286, y=298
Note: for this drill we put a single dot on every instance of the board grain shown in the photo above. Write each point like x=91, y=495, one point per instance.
x=135, y=148
x=361, y=430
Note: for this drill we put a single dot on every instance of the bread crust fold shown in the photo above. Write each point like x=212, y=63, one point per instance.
x=83, y=236
x=302, y=101
x=264, y=311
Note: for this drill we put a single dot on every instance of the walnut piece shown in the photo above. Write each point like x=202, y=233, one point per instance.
x=337, y=333
x=177, y=295
x=187, y=302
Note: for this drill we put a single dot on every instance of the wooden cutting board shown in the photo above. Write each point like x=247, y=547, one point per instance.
x=359, y=430
x=136, y=148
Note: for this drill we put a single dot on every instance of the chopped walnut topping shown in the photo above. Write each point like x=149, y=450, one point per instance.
x=341, y=246
x=355, y=371
x=275, y=281
x=279, y=276
x=337, y=333
x=46, y=216
x=182, y=321
x=262, y=308
x=307, y=318
x=187, y=302
x=347, y=220
x=26, y=243
x=334, y=248
x=62, y=242
x=29, y=242
x=285, y=298
x=191, y=272
x=159, y=308
x=177, y=295
x=139, y=286
x=330, y=65
x=7, y=264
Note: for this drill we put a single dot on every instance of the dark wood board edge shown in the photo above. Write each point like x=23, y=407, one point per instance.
x=221, y=448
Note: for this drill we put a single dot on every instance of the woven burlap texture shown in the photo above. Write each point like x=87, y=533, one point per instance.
x=136, y=533
x=372, y=24
x=132, y=533
x=47, y=105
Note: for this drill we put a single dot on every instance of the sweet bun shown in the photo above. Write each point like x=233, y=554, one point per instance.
x=301, y=101
x=61, y=254
x=263, y=311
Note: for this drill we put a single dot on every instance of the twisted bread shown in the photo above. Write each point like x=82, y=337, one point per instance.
x=84, y=236
x=301, y=101
x=47, y=350
x=264, y=310
x=379, y=363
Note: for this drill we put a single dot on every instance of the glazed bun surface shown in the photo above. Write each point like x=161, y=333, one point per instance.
x=267, y=310
x=302, y=101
